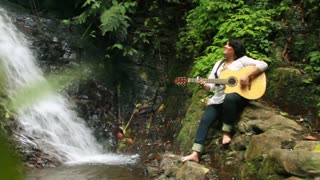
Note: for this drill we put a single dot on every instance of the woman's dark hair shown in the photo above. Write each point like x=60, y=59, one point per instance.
x=238, y=46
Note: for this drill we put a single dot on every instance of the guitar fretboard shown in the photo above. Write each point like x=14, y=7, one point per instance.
x=215, y=81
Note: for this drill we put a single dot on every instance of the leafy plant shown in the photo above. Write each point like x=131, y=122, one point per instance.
x=113, y=20
x=10, y=166
x=313, y=62
x=312, y=7
x=211, y=23
x=202, y=23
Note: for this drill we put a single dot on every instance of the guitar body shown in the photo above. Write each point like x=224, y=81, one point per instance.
x=232, y=81
x=255, y=91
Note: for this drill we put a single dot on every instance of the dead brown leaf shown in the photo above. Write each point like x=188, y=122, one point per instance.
x=310, y=138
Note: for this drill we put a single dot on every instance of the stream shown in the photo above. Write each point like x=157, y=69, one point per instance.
x=86, y=172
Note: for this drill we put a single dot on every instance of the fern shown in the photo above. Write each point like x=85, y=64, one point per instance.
x=92, y=11
x=114, y=19
x=112, y=15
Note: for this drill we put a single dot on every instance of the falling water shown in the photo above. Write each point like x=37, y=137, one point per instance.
x=49, y=121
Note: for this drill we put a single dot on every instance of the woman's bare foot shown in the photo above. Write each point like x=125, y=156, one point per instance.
x=226, y=138
x=194, y=156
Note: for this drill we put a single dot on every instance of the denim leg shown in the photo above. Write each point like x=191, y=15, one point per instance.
x=232, y=107
x=209, y=116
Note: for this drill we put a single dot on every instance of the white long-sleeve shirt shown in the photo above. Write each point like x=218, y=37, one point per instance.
x=236, y=65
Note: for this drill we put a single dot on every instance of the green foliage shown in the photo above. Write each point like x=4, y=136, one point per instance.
x=203, y=63
x=126, y=50
x=318, y=107
x=254, y=26
x=112, y=15
x=93, y=8
x=202, y=23
x=312, y=7
x=113, y=21
x=313, y=62
x=156, y=21
x=172, y=1
x=211, y=23
x=10, y=167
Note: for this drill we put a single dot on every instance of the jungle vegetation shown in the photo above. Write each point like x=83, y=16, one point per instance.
x=283, y=33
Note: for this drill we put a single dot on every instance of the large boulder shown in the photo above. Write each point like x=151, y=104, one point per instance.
x=298, y=163
x=267, y=144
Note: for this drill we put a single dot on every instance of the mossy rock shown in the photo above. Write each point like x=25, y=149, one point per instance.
x=249, y=170
x=269, y=169
x=290, y=89
x=191, y=121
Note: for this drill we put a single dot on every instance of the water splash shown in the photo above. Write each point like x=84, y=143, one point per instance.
x=49, y=121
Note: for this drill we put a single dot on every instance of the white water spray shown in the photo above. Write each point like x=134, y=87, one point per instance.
x=49, y=121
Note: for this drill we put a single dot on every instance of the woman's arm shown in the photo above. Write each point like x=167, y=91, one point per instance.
x=259, y=67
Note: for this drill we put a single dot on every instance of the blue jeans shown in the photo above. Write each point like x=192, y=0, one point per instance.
x=229, y=111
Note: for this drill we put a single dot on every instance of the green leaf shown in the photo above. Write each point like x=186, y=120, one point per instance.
x=118, y=46
x=283, y=113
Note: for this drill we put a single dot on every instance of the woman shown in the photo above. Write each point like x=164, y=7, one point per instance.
x=226, y=106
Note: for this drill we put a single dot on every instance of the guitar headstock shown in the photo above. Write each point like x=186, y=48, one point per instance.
x=181, y=81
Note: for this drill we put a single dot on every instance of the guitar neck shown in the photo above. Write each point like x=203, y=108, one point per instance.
x=215, y=81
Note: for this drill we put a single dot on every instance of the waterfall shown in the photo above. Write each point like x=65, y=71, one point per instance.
x=48, y=121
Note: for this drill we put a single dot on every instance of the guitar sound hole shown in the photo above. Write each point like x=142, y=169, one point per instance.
x=232, y=81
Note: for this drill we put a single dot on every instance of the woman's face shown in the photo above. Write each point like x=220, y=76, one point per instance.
x=228, y=50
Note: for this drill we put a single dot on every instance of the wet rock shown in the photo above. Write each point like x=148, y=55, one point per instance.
x=307, y=145
x=191, y=171
x=170, y=164
x=299, y=163
x=171, y=167
x=262, y=144
x=32, y=155
x=152, y=171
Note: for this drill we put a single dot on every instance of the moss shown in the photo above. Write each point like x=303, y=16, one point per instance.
x=288, y=88
x=249, y=170
x=190, y=123
x=317, y=148
x=269, y=170
x=256, y=169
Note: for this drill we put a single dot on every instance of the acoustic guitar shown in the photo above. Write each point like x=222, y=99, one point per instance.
x=232, y=81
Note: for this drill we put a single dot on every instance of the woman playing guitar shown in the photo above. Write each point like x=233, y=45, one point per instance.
x=228, y=106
